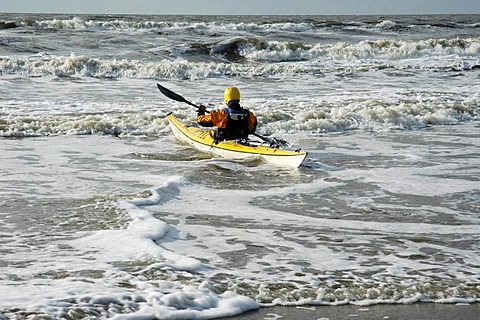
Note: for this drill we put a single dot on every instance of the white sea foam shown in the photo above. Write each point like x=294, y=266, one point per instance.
x=136, y=241
x=139, y=241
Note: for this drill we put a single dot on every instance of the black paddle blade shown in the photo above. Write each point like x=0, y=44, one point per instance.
x=172, y=95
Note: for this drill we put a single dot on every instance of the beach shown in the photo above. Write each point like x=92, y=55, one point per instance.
x=423, y=311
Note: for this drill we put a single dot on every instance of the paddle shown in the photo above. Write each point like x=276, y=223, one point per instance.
x=174, y=96
x=274, y=142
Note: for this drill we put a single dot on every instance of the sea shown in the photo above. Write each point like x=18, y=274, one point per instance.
x=104, y=215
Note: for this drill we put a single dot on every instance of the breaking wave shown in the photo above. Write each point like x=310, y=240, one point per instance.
x=262, y=58
x=103, y=124
x=309, y=117
x=271, y=23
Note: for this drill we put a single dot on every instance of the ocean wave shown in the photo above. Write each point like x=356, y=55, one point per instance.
x=307, y=117
x=7, y=25
x=138, y=124
x=275, y=51
x=86, y=66
x=286, y=23
x=371, y=115
x=256, y=58
x=172, y=24
x=161, y=25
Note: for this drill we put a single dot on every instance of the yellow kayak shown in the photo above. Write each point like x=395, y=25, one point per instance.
x=203, y=140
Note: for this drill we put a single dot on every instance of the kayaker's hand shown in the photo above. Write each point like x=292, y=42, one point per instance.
x=201, y=110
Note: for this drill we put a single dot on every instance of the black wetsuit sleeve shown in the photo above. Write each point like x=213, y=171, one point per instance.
x=205, y=123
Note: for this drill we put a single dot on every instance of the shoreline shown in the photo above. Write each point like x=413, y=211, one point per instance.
x=420, y=311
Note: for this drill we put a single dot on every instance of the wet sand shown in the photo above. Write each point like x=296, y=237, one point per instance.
x=417, y=311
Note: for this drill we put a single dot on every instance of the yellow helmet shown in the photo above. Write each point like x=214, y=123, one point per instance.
x=231, y=93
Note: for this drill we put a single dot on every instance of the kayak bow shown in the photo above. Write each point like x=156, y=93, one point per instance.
x=203, y=140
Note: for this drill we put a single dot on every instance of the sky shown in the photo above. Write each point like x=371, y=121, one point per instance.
x=239, y=7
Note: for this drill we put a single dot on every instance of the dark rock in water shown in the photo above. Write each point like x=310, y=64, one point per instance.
x=7, y=25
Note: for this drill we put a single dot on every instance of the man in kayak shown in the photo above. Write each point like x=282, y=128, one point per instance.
x=233, y=122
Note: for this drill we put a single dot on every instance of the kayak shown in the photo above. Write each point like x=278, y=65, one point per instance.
x=203, y=140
